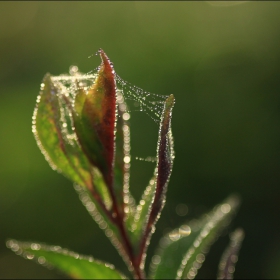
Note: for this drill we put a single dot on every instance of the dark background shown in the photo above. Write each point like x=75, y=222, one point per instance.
x=221, y=60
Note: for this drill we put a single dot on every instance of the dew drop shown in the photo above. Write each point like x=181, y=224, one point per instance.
x=14, y=247
x=139, y=207
x=231, y=269
x=41, y=260
x=126, y=116
x=200, y=258
x=142, y=202
x=126, y=159
x=55, y=248
x=29, y=256
x=225, y=208
x=73, y=70
x=109, y=233
x=196, y=243
x=184, y=230
x=156, y=259
x=174, y=235
x=35, y=246
x=181, y=209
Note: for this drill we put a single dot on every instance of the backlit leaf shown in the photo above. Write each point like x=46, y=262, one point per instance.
x=142, y=211
x=96, y=118
x=152, y=202
x=53, y=137
x=230, y=255
x=73, y=264
x=182, y=252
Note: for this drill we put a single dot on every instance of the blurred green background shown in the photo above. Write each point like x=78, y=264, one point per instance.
x=221, y=60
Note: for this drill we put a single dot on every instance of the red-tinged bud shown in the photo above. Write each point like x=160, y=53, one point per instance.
x=96, y=119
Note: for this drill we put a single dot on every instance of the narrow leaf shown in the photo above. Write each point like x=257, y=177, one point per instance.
x=230, y=255
x=155, y=192
x=182, y=251
x=173, y=247
x=142, y=211
x=95, y=125
x=51, y=129
x=73, y=264
x=220, y=218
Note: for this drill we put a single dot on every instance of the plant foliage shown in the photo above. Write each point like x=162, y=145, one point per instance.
x=84, y=134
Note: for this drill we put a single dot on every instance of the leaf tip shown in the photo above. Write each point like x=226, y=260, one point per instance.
x=47, y=77
x=105, y=59
x=167, y=111
x=170, y=101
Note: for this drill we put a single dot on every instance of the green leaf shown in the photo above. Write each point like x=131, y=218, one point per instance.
x=73, y=264
x=153, y=199
x=95, y=120
x=173, y=247
x=54, y=135
x=142, y=212
x=230, y=255
x=182, y=251
x=53, y=129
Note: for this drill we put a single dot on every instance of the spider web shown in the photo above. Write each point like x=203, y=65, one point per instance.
x=137, y=99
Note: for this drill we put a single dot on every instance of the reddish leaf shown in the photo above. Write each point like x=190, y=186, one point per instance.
x=165, y=156
x=95, y=120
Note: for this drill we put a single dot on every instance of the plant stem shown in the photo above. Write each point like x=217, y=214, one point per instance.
x=119, y=221
x=138, y=272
